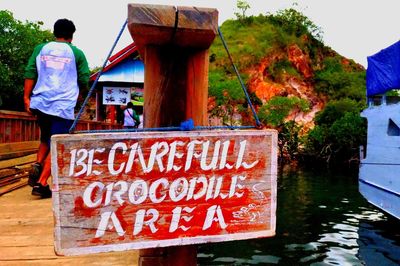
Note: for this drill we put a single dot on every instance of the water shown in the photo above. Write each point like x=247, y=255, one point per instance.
x=321, y=220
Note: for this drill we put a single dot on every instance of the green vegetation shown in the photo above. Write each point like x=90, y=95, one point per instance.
x=281, y=68
x=242, y=6
x=17, y=40
x=275, y=112
x=265, y=49
x=337, y=83
x=338, y=133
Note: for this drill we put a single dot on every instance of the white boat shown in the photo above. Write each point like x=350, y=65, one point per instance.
x=379, y=175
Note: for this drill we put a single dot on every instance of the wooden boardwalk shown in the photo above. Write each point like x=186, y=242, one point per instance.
x=26, y=235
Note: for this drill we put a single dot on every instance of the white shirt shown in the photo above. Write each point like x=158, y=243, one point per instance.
x=128, y=119
x=56, y=90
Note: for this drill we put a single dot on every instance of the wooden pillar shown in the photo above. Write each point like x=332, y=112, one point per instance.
x=173, y=43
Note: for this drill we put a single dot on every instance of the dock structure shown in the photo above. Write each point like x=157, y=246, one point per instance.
x=26, y=235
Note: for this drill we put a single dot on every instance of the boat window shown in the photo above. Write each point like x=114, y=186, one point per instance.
x=393, y=128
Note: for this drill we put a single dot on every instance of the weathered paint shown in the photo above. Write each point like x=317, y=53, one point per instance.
x=124, y=191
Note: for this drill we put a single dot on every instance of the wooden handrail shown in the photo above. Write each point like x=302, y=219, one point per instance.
x=22, y=126
x=16, y=115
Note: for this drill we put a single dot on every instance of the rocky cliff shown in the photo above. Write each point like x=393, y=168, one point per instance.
x=276, y=60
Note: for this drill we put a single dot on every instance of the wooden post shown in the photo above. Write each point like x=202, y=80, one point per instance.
x=173, y=43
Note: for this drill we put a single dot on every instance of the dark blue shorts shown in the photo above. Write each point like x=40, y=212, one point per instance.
x=51, y=125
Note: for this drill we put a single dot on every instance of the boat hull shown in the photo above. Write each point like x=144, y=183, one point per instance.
x=380, y=185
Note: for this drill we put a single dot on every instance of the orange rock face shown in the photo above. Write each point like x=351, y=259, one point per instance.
x=300, y=84
x=261, y=84
x=300, y=61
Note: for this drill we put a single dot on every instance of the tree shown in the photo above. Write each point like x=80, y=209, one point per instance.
x=275, y=113
x=242, y=5
x=17, y=41
x=338, y=133
x=276, y=110
x=334, y=110
x=294, y=22
x=337, y=82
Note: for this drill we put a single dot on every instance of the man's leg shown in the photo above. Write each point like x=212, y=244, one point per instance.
x=43, y=151
x=58, y=126
x=41, y=188
x=46, y=171
x=44, y=122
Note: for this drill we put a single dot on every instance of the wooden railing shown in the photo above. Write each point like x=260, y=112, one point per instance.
x=21, y=126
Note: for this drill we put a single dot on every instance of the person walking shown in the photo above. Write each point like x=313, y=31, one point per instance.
x=55, y=73
x=131, y=119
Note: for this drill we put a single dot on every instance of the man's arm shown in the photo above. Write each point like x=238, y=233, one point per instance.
x=82, y=68
x=30, y=77
x=28, y=87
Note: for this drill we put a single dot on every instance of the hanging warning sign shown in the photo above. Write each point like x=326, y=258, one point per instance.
x=124, y=191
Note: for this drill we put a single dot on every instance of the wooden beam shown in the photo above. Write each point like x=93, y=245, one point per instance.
x=18, y=161
x=162, y=25
x=12, y=179
x=18, y=146
x=13, y=186
x=173, y=42
x=11, y=155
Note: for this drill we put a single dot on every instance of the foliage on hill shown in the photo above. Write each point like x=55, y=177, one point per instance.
x=17, y=40
x=299, y=86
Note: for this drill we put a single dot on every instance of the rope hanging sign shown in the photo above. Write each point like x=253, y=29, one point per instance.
x=165, y=186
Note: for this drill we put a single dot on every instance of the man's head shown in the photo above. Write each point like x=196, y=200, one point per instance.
x=64, y=28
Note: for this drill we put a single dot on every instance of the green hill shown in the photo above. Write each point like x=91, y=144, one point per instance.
x=299, y=86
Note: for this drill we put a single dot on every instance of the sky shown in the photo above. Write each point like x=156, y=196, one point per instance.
x=353, y=28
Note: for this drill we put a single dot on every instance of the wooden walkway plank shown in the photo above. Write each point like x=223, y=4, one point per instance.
x=26, y=235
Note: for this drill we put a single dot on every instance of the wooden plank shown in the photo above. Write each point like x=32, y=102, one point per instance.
x=2, y=130
x=16, y=115
x=9, y=180
x=25, y=166
x=14, y=186
x=16, y=127
x=123, y=191
x=11, y=155
x=18, y=146
x=18, y=161
x=25, y=240
x=182, y=26
x=119, y=258
x=39, y=253
x=9, y=172
x=12, y=179
x=8, y=130
x=29, y=241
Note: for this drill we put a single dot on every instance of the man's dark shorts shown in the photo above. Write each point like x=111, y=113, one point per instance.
x=51, y=125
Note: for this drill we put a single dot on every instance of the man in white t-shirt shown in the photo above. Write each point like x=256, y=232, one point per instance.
x=53, y=76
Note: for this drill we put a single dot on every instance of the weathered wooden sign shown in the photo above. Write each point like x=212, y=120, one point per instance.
x=121, y=191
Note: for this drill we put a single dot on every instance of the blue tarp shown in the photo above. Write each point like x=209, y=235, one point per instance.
x=383, y=72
